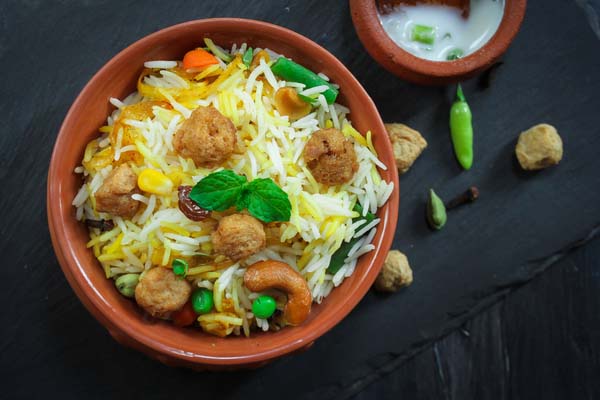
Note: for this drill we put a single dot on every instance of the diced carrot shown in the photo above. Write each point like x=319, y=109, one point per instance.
x=185, y=316
x=198, y=58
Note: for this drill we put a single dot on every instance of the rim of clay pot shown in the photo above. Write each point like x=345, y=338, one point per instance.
x=418, y=70
x=160, y=339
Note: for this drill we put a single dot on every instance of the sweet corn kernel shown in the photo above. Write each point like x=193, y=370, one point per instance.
x=153, y=181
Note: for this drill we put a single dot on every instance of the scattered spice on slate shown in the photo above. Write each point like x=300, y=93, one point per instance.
x=436, y=211
x=468, y=196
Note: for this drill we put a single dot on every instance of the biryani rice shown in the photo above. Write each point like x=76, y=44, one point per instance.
x=270, y=147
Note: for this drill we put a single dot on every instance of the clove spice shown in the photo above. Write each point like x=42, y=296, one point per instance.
x=102, y=224
x=469, y=196
x=437, y=209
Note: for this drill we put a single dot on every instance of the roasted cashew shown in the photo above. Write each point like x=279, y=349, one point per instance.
x=288, y=103
x=270, y=274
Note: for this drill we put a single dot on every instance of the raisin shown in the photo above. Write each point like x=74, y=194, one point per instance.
x=188, y=207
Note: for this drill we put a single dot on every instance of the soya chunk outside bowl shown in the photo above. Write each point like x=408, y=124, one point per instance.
x=122, y=317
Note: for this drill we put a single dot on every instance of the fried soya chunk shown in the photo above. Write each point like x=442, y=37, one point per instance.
x=407, y=145
x=207, y=137
x=330, y=157
x=160, y=292
x=396, y=273
x=539, y=147
x=114, y=196
x=239, y=236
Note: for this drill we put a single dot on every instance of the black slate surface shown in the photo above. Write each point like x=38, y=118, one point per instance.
x=539, y=343
x=522, y=223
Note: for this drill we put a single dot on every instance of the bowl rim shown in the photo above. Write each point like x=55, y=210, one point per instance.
x=377, y=42
x=105, y=313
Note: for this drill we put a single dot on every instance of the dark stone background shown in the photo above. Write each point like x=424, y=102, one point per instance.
x=535, y=340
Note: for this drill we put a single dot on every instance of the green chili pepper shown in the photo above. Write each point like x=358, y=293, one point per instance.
x=247, y=57
x=454, y=54
x=423, y=34
x=436, y=211
x=290, y=71
x=461, y=130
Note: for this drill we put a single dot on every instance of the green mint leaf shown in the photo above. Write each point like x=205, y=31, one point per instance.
x=242, y=201
x=266, y=201
x=219, y=190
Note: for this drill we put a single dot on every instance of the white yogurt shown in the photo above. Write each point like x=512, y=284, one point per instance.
x=451, y=30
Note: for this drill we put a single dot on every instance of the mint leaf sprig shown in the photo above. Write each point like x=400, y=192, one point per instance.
x=224, y=189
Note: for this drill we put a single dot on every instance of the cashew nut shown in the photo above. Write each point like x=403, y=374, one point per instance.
x=269, y=274
x=257, y=57
x=288, y=103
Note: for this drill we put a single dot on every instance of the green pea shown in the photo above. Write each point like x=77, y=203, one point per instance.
x=264, y=306
x=461, y=130
x=180, y=267
x=126, y=284
x=202, y=301
x=454, y=54
x=436, y=211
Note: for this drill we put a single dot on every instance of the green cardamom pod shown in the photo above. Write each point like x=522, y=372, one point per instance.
x=436, y=211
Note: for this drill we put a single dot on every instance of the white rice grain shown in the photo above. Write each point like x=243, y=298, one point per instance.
x=314, y=90
x=160, y=64
x=116, y=102
x=81, y=196
x=363, y=250
x=367, y=227
x=149, y=210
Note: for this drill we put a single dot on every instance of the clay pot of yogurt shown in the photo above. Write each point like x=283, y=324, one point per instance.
x=437, y=45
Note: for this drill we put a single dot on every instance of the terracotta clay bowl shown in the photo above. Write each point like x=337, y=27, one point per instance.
x=122, y=317
x=411, y=68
